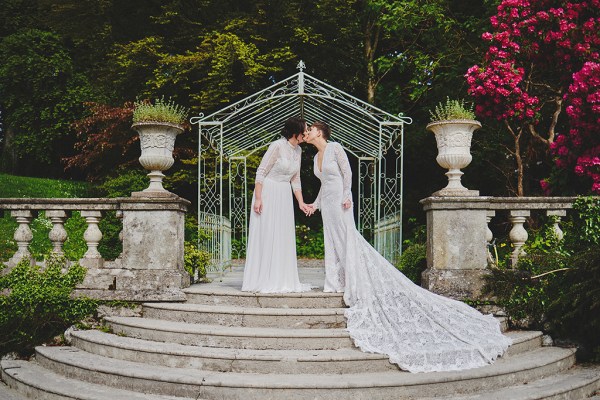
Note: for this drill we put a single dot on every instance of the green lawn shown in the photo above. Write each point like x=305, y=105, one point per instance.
x=23, y=187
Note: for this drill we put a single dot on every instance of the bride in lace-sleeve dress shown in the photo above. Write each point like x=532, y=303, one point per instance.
x=271, y=264
x=420, y=331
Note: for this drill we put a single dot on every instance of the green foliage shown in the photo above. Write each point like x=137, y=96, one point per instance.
x=22, y=186
x=195, y=260
x=586, y=224
x=74, y=247
x=452, y=109
x=41, y=95
x=110, y=246
x=122, y=185
x=413, y=262
x=223, y=66
x=19, y=186
x=555, y=286
x=309, y=242
x=191, y=231
x=161, y=111
x=238, y=248
x=524, y=297
x=133, y=65
x=36, y=304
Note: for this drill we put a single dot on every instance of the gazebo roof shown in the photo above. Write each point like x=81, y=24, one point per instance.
x=252, y=123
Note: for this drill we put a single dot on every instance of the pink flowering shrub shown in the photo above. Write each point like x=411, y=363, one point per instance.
x=535, y=47
x=580, y=147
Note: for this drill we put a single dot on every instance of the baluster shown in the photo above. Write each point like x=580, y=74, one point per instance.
x=119, y=214
x=22, y=236
x=57, y=234
x=555, y=215
x=92, y=236
x=518, y=235
x=489, y=235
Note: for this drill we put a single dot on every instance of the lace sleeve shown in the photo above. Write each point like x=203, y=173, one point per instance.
x=267, y=162
x=296, y=184
x=344, y=165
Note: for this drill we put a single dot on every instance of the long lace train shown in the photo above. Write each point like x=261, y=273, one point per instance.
x=419, y=330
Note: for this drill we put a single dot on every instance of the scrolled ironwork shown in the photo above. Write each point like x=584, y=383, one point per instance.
x=231, y=134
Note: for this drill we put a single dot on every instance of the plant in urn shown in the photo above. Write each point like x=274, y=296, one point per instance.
x=453, y=125
x=157, y=125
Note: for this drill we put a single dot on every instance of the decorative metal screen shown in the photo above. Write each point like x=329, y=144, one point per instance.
x=228, y=136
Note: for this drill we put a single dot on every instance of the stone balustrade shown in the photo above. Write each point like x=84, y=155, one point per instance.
x=458, y=234
x=518, y=209
x=150, y=266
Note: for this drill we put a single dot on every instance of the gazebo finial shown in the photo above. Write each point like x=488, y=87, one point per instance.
x=301, y=66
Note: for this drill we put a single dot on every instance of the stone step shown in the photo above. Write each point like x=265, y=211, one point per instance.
x=350, y=360
x=215, y=295
x=523, y=341
x=230, y=337
x=576, y=383
x=31, y=381
x=185, y=382
x=293, y=318
x=6, y=393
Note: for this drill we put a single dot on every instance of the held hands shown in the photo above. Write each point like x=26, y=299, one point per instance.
x=308, y=209
x=347, y=204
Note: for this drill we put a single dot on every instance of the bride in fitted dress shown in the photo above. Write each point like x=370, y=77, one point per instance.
x=271, y=264
x=419, y=330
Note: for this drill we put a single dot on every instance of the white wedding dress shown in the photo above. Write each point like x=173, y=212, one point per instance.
x=419, y=330
x=271, y=264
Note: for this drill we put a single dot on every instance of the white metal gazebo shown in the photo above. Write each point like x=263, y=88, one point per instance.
x=229, y=136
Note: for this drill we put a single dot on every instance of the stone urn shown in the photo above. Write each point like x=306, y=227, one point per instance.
x=453, y=138
x=157, y=140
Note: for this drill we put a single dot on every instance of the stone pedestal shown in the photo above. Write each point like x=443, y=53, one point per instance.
x=151, y=264
x=456, y=245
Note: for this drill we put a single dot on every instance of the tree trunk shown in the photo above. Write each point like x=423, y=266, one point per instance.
x=371, y=39
x=519, y=161
x=9, y=162
x=517, y=154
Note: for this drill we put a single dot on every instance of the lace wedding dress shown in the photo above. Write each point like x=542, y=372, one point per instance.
x=419, y=330
x=271, y=264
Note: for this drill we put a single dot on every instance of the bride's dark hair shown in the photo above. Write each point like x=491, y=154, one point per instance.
x=294, y=126
x=323, y=127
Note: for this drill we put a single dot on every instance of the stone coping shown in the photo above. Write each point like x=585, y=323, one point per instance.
x=95, y=203
x=497, y=203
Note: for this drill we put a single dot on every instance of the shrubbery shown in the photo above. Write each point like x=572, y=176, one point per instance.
x=413, y=260
x=195, y=261
x=555, y=287
x=36, y=304
x=309, y=242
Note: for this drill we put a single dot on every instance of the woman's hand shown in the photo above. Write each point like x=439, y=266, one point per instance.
x=306, y=209
x=309, y=209
x=258, y=206
x=347, y=204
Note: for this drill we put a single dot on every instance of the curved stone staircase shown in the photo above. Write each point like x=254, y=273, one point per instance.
x=225, y=344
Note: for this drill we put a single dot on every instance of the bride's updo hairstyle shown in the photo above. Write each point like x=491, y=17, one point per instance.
x=293, y=127
x=323, y=127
